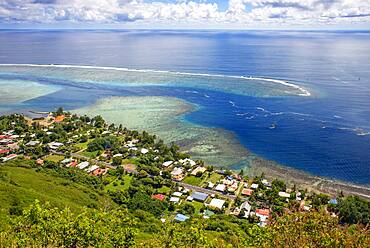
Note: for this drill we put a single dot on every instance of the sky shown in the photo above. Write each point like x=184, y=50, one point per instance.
x=193, y=14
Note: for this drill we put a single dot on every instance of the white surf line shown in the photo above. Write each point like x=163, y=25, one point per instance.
x=277, y=81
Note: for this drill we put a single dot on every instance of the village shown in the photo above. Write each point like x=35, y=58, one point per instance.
x=189, y=186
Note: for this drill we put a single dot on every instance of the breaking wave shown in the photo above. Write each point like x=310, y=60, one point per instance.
x=304, y=92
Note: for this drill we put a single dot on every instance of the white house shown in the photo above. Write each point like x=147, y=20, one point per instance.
x=217, y=203
x=83, y=165
x=167, y=163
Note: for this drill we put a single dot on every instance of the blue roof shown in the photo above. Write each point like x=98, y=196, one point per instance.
x=199, y=196
x=181, y=217
x=333, y=201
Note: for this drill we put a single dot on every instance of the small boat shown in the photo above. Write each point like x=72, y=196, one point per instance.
x=273, y=126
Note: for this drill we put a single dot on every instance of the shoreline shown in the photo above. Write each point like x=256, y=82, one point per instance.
x=257, y=164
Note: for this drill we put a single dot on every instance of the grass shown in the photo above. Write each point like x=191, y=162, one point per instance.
x=196, y=181
x=214, y=178
x=89, y=154
x=119, y=184
x=54, y=158
x=197, y=206
x=164, y=190
x=22, y=186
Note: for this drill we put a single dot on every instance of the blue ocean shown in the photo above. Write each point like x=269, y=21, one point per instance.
x=325, y=133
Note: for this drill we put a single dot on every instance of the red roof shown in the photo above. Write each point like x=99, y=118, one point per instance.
x=265, y=212
x=99, y=171
x=4, y=151
x=247, y=192
x=72, y=164
x=5, y=136
x=59, y=118
x=158, y=197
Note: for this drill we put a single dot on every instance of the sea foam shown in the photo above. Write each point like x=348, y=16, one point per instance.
x=304, y=92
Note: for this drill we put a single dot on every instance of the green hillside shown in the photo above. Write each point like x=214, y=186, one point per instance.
x=20, y=186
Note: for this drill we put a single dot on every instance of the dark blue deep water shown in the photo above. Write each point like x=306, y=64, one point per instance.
x=326, y=135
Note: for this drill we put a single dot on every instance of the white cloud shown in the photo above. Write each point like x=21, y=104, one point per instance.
x=268, y=12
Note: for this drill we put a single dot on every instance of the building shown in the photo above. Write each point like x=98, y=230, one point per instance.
x=55, y=145
x=177, y=194
x=217, y=203
x=167, y=163
x=263, y=215
x=284, y=194
x=254, y=186
x=159, y=197
x=10, y=157
x=188, y=161
x=92, y=168
x=197, y=170
x=83, y=165
x=175, y=199
x=181, y=217
x=247, y=192
x=247, y=208
x=33, y=143
x=199, y=196
x=220, y=187
x=99, y=172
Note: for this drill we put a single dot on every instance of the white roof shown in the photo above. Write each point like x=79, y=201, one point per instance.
x=117, y=155
x=284, y=194
x=217, y=203
x=220, y=187
x=187, y=161
x=189, y=198
x=211, y=185
x=83, y=165
x=176, y=171
x=178, y=194
x=254, y=186
x=144, y=150
x=174, y=199
x=167, y=163
x=92, y=168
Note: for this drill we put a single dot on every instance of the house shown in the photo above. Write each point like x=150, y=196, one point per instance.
x=246, y=207
x=66, y=161
x=247, y=192
x=217, y=203
x=199, y=196
x=83, y=165
x=207, y=213
x=159, y=197
x=92, y=168
x=59, y=118
x=55, y=145
x=174, y=199
x=197, y=170
x=99, y=172
x=284, y=194
x=117, y=155
x=220, y=187
x=254, y=186
x=144, y=150
x=10, y=157
x=189, y=198
x=211, y=185
x=33, y=143
x=181, y=217
x=188, y=161
x=263, y=215
x=333, y=201
x=177, y=194
x=167, y=163
x=4, y=151
x=72, y=164
x=176, y=173
x=39, y=161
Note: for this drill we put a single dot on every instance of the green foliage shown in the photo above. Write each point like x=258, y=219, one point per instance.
x=43, y=226
x=353, y=210
x=144, y=202
x=102, y=143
